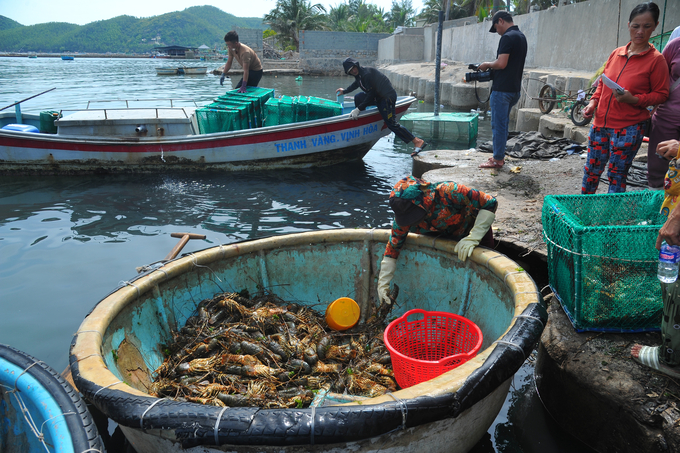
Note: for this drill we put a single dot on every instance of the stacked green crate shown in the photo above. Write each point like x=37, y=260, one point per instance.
x=456, y=127
x=222, y=119
x=309, y=108
x=240, y=104
x=256, y=96
x=280, y=111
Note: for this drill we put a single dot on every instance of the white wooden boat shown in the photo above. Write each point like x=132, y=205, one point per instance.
x=193, y=70
x=167, y=139
x=166, y=71
x=120, y=344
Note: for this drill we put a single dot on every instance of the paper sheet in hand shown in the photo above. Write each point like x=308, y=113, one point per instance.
x=613, y=85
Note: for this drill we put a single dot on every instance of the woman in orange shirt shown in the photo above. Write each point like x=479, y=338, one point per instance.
x=621, y=117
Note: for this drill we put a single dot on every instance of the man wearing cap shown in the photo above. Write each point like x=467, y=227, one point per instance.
x=447, y=207
x=377, y=90
x=507, y=81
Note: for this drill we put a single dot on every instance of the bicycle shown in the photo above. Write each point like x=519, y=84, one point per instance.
x=571, y=104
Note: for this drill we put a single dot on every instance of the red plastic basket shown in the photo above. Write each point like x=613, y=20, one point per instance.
x=423, y=348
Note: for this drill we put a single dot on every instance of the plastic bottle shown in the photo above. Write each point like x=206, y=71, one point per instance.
x=669, y=258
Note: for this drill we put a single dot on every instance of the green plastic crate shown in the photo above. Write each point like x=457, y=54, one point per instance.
x=256, y=95
x=309, y=108
x=279, y=111
x=602, y=259
x=212, y=120
x=456, y=127
x=246, y=108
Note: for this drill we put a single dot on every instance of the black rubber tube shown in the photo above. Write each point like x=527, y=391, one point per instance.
x=194, y=424
x=81, y=426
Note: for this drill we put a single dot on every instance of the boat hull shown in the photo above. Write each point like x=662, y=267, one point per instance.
x=298, y=145
x=35, y=399
x=118, y=345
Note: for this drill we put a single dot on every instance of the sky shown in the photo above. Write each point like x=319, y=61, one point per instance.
x=81, y=12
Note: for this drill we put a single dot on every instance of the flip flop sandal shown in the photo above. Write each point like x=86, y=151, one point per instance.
x=649, y=357
x=419, y=149
x=491, y=164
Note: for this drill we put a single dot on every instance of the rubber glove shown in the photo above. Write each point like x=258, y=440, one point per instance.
x=466, y=245
x=243, y=88
x=224, y=76
x=387, y=267
x=354, y=114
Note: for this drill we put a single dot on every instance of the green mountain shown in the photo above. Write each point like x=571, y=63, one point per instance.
x=125, y=34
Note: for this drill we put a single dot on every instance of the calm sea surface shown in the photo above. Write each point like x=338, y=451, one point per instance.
x=66, y=242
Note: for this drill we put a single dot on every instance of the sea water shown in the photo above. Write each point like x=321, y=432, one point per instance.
x=67, y=241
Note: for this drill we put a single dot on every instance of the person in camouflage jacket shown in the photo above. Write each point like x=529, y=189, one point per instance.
x=447, y=207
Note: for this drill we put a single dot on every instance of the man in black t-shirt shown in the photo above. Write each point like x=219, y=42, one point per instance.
x=507, y=81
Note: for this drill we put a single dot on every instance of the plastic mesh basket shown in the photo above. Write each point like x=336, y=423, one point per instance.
x=256, y=96
x=424, y=348
x=211, y=120
x=309, y=108
x=455, y=127
x=602, y=260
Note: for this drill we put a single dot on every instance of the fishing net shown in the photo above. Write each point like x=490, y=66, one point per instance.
x=456, y=127
x=602, y=260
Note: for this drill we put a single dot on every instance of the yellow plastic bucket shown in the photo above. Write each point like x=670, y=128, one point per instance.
x=342, y=314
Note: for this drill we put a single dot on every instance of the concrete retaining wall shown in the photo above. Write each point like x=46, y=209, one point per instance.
x=579, y=36
x=402, y=47
x=324, y=51
x=251, y=37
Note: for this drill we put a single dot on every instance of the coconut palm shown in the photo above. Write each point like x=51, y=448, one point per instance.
x=431, y=10
x=401, y=14
x=291, y=16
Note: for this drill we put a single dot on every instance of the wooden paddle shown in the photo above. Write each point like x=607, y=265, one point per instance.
x=35, y=95
x=180, y=245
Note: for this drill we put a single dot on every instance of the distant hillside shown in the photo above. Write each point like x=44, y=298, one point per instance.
x=125, y=34
x=7, y=23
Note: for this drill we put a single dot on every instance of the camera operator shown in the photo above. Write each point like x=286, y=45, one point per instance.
x=507, y=81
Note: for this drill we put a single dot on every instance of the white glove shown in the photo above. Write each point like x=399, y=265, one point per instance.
x=354, y=114
x=466, y=245
x=387, y=268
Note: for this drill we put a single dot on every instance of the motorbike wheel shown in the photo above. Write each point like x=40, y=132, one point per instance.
x=545, y=104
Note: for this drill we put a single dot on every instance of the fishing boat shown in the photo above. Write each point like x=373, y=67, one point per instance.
x=166, y=71
x=39, y=410
x=67, y=57
x=193, y=70
x=120, y=343
x=167, y=139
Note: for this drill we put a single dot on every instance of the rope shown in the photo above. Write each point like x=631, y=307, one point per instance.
x=194, y=260
x=587, y=255
x=507, y=343
x=141, y=419
x=511, y=273
x=126, y=283
x=530, y=317
x=311, y=434
x=404, y=409
x=217, y=425
x=107, y=386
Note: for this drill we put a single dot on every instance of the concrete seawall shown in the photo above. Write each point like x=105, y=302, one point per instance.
x=418, y=79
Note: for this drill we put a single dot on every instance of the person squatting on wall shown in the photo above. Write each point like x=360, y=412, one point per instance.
x=377, y=90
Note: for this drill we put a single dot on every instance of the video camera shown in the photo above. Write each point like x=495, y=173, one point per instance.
x=478, y=76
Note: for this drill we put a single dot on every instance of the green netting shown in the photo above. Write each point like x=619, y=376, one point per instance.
x=309, y=108
x=458, y=127
x=286, y=109
x=279, y=111
x=211, y=120
x=236, y=104
x=602, y=260
x=255, y=95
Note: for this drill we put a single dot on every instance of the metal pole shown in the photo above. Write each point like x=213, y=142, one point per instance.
x=438, y=63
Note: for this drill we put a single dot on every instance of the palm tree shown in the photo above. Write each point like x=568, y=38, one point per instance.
x=432, y=7
x=291, y=16
x=402, y=13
